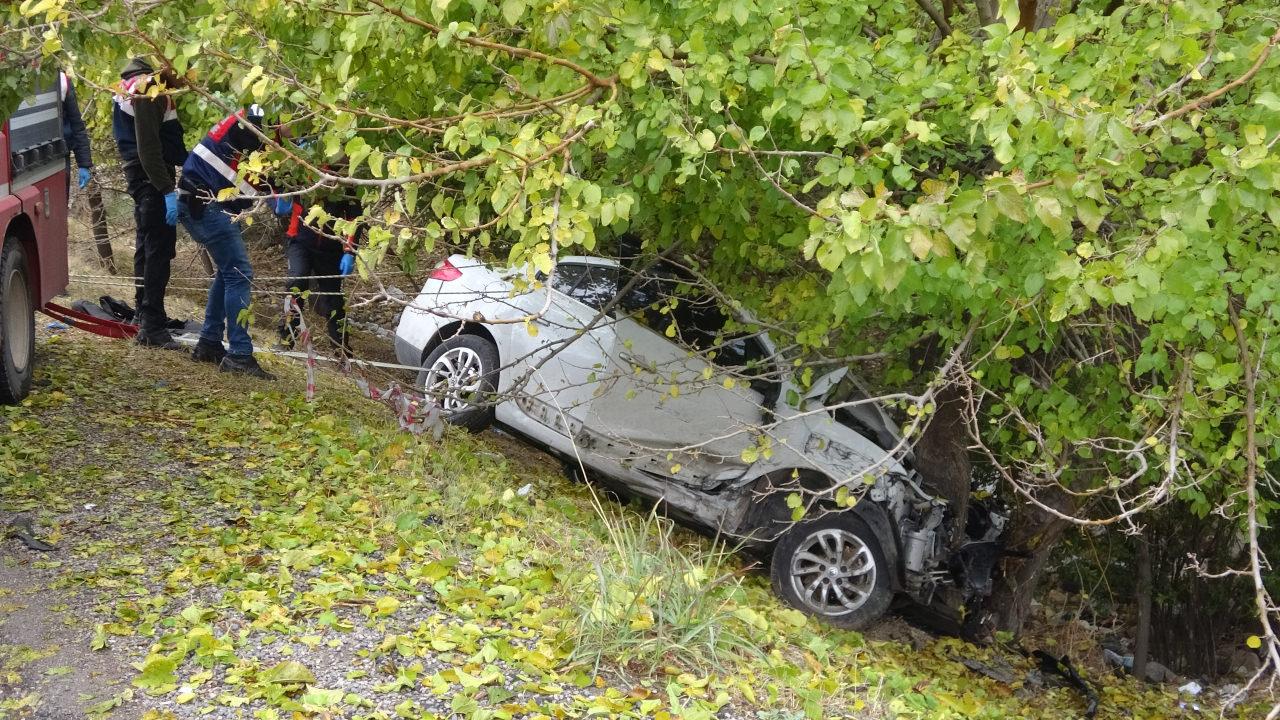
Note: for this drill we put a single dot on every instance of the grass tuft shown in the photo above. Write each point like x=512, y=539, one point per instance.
x=648, y=599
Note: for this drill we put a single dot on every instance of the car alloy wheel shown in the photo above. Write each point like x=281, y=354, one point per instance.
x=454, y=378
x=833, y=572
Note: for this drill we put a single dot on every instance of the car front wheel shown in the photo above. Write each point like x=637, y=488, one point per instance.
x=462, y=375
x=833, y=568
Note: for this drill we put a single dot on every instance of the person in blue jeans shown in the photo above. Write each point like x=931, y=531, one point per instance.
x=210, y=169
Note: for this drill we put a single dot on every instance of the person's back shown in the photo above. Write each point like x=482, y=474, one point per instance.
x=136, y=81
x=149, y=137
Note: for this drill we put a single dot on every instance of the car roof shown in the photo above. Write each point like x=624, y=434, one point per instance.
x=589, y=260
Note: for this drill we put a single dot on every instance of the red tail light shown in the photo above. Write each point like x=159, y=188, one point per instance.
x=445, y=272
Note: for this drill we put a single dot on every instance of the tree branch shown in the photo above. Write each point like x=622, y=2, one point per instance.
x=1211, y=97
x=932, y=11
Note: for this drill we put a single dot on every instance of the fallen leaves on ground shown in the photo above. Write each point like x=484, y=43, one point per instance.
x=256, y=555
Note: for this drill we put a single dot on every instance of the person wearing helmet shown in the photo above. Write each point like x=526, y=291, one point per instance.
x=208, y=173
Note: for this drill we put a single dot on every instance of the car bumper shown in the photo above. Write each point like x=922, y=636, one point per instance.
x=407, y=353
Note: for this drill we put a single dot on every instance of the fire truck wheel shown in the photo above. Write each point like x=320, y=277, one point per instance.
x=17, y=323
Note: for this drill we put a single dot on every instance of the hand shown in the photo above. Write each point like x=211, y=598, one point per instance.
x=84, y=177
x=282, y=206
x=171, y=208
x=347, y=264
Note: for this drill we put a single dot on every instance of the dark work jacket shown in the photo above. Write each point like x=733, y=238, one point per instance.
x=147, y=130
x=343, y=207
x=211, y=166
x=73, y=130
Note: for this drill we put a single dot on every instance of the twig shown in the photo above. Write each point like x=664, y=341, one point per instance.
x=1205, y=99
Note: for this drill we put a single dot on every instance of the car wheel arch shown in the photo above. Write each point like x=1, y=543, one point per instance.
x=766, y=504
x=456, y=328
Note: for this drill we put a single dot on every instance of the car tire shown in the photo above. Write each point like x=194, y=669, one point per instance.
x=833, y=568
x=461, y=374
x=17, y=323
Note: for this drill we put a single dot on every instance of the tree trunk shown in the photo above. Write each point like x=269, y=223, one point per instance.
x=1143, y=642
x=942, y=455
x=1032, y=536
x=1027, y=15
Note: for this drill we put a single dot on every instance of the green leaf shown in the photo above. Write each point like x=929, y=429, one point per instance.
x=289, y=672
x=1205, y=361
x=706, y=139
x=1268, y=100
x=960, y=231
x=158, y=676
x=1033, y=283
x=512, y=10
x=1049, y=211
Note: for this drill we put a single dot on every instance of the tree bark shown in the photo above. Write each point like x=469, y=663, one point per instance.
x=1143, y=642
x=1027, y=15
x=1032, y=537
x=942, y=455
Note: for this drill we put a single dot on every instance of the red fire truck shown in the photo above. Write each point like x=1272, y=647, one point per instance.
x=33, y=228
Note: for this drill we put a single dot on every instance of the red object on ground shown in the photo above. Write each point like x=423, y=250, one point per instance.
x=89, y=323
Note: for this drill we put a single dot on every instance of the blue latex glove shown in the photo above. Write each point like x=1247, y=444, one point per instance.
x=171, y=208
x=282, y=206
x=347, y=265
x=84, y=177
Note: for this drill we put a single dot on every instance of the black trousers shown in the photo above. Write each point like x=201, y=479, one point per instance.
x=154, y=249
x=309, y=258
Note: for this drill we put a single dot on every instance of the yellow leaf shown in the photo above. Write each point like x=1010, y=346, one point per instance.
x=1254, y=642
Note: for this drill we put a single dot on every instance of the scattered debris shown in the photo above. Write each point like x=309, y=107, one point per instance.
x=57, y=325
x=999, y=671
x=1192, y=688
x=22, y=529
x=1063, y=668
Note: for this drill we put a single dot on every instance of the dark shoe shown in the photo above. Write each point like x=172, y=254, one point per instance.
x=208, y=352
x=156, y=339
x=175, y=324
x=246, y=365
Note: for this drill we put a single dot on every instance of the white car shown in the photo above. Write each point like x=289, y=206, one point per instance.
x=645, y=383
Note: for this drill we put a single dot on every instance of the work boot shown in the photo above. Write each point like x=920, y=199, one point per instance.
x=156, y=338
x=210, y=352
x=246, y=365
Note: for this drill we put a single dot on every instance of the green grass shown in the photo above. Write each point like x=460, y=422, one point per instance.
x=649, y=600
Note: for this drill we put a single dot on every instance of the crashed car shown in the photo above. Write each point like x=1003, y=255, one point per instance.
x=660, y=391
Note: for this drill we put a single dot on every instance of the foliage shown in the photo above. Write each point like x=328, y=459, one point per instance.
x=648, y=599
x=832, y=168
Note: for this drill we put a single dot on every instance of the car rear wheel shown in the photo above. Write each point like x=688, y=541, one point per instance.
x=17, y=323
x=462, y=375
x=833, y=568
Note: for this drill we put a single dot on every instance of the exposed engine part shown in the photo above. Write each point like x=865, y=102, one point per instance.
x=915, y=546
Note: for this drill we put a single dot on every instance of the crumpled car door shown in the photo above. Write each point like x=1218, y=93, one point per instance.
x=670, y=414
x=559, y=361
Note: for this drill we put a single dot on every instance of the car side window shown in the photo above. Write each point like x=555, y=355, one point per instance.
x=591, y=285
